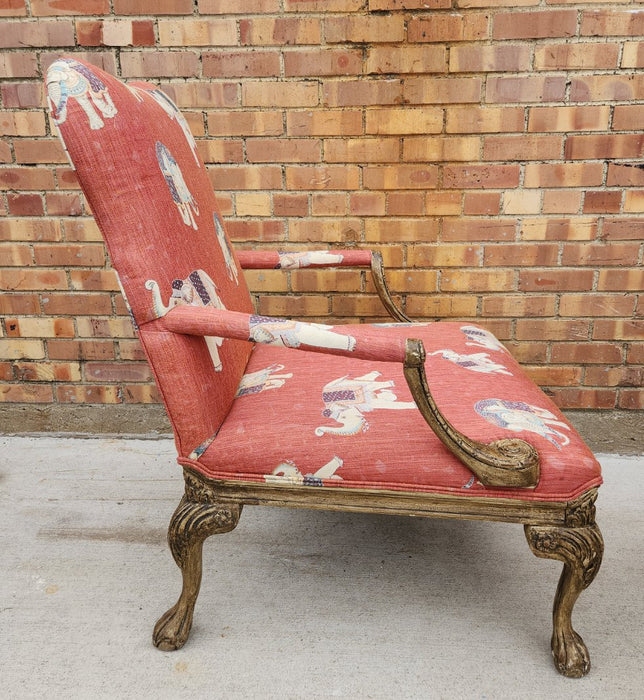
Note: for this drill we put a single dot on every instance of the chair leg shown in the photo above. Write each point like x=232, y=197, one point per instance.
x=580, y=549
x=190, y=525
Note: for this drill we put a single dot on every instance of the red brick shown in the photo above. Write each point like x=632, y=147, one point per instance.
x=63, y=204
x=586, y=118
x=604, y=88
x=199, y=94
x=631, y=399
x=479, y=230
x=22, y=95
x=585, y=353
x=19, y=304
x=279, y=31
x=443, y=203
x=555, y=281
x=63, y=349
x=245, y=123
x=371, y=150
x=620, y=329
x=263, y=230
x=150, y=7
x=399, y=177
x=88, y=394
x=26, y=393
x=525, y=89
x=405, y=203
x=535, y=24
x=241, y=177
x=32, y=279
x=611, y=22
x=225, y=7
x=26, y=179
x=34, y=151
x=521, y=254
x=577, y=305
x=77, y=304
x=516, y=306
x=442, y=90
x=406, y=59
x=302, y=62
x=585, y=147
x=155, y=64
x=290, y=204
x=402, y=229
x=325, y=122
x=22, y=123
x=13, y=8
x=329, y=204
x=363, y=92
x=625, y=175
x=42, y=8
x=563, y=174
x=474, y=58
x=523, y=147
x=37, y=34
x=477, y=280
x=422, y=307
x=633, y=54
x=437, y=148
x=480, y=176
x=561, y=202
x=364, y=29
x=621, y=280
x=576, y=56
x=18, y=64
x=439, y=256
x=279, y=94
x=622, y=229
x=584, y=398
x=481, y=203
x=25, y=204
x=603, y=202
x=475, y=119
x=115, y=32
x=346, y=230
x=551, y=329
x=448, y=27
x=261, y=150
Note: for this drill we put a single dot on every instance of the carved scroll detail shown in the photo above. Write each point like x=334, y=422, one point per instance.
x=581, y=551
x=510, y=462
x=378, y=273
x=581, y=512
x=191, y=524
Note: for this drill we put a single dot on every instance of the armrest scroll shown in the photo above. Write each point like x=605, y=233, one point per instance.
x=509, y=463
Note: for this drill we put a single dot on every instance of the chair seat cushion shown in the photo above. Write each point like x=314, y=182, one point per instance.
x=320, y=420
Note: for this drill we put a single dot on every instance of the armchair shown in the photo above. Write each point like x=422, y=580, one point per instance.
x=423, y=419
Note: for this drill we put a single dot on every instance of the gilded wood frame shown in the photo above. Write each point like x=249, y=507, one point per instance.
x=558, y=530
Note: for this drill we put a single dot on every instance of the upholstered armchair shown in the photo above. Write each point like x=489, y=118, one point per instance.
x=425, y=419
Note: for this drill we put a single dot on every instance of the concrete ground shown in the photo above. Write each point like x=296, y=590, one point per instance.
x=294, y=604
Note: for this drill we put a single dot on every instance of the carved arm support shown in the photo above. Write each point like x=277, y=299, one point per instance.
x=511, y=462
x=274, y=260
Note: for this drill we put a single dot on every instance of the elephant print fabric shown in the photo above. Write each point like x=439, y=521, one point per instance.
x=229, y=259
x=476, y=362
x=173, y=112
x=293, y=334
x=481, y=338
x=196, y=290
x=67, y=79
x=287, y=474
x=186, y=204
x=293, y=261
x=346, y=401
x=519, y=416
x=262, y=380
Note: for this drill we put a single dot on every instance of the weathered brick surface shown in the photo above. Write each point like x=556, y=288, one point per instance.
x=490, y=150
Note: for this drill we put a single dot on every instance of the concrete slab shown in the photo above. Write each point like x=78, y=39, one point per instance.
x=294, y=604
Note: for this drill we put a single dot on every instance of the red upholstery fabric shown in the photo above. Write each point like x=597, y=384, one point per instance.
x=153, y=201
x=337, y=421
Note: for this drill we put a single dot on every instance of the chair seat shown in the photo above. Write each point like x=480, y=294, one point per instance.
x=341, y=422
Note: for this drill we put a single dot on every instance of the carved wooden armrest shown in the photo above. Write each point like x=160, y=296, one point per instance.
x=510, y=463
x=291, y=260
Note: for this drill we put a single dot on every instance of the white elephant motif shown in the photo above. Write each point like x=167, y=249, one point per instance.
x=346, y=400
x=262, y=380
x=229, y=258
x=291, y=261
x=287, y=474
x=482, y=338
x=181, y=195
x=292, y=334
x=196, y=290
x=477, y=362
x=519, y=416
x=173, y=112
x=66, y=79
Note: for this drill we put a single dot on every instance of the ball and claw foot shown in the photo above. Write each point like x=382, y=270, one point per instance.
x=570, y=654
x=172, y=629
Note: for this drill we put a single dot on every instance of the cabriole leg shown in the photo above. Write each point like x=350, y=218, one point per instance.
x=580, y=549
x=191, y=524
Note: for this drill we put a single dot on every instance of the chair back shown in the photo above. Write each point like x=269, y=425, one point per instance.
x=150, y=194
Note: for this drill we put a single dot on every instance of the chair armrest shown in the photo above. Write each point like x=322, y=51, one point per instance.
x=314, y=337
x=507, y=463
x=274, y=260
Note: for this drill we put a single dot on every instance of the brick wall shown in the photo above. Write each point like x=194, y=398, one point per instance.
x=488, y=149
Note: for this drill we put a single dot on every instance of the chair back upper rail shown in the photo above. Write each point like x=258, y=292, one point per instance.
x=149, y=191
